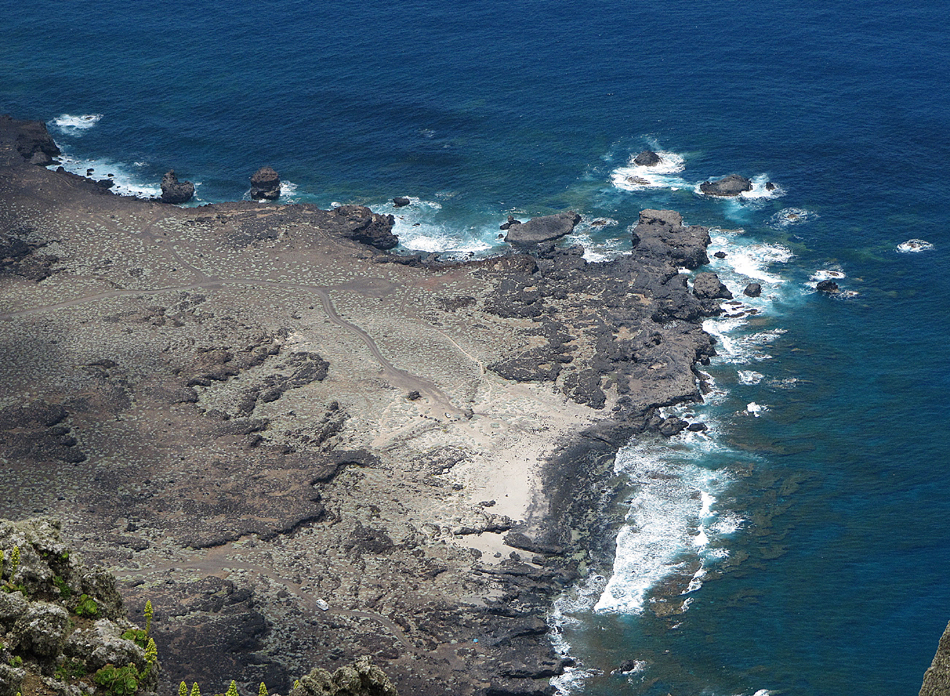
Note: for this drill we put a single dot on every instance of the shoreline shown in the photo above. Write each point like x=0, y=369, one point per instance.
x=390, y=402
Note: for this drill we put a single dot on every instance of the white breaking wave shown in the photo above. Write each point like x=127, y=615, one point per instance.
x=635, y=177
x=419, y=229
x=75, y=125
x=125, y=184
x=791, y=216
x=669, y=523
x=914, y=246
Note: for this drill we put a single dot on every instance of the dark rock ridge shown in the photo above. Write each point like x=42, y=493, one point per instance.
x=33, y=141
x=647, y=158
x=542, y=229
x=265, y=184
x=731, y=185
x=364, y=226
x=637, y=311
x=707, y=286
x=175, y=191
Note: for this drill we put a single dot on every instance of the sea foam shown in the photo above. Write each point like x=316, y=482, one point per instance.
x=68, y=124
x=634, y=177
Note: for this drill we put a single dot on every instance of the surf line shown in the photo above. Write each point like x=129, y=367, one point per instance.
x=396, y=376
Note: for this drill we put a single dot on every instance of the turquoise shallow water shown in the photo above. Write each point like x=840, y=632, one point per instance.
x=826, y=516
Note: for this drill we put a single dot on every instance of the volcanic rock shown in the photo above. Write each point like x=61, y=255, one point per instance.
x=33, y=141
x=827, y=286
x=672, y=425
x=647, y=158
x=543, y=229
x=400, y=201
x=175, y=191
x=365, y=226
x=511, y=221
x=265, y=184
x=707, y=286
x=752, y=290
x=661, y=234
x=731, y=185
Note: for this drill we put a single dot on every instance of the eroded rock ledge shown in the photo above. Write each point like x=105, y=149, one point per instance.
x=287, y=437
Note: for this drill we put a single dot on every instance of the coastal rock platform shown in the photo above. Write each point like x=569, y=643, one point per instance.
x=305, y=449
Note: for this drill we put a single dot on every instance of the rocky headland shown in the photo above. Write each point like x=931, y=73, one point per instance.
x=304, y=449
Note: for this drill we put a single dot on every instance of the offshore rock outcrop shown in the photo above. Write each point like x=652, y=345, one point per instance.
x=265, y=184
x=731, y=185
x=542, y=229
x=175, y=191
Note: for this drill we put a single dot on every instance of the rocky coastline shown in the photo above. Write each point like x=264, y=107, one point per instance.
x=303, y=448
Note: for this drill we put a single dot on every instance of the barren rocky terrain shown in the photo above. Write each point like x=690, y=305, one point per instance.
x=304, y=449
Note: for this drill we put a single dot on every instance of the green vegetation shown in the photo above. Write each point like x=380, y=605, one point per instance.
x=118, y=681
x=65, y=591
x=137, y=636
x=16, y=661
x=71, y=669
x=87, y=607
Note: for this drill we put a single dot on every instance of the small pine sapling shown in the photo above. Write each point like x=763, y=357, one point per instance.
x=262, y=691
x=195, y=691
x=232, y=689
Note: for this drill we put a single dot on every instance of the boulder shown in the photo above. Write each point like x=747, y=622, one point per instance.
x=672, y=425
x=173, y=190
x=400, y=201
x=543, y=229
x=41, y=630
x=363, y=225
x=265, y=184
x=752, y=290
x=661, y=234
x=511, y=221
x=707, y=286
x=731, y=185
x=362, y=678
x=827, y=286
x=647, y=158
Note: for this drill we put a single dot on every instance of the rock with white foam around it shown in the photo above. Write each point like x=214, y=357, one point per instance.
x=265, y=184
x=543, y=229
x=173, y=190
x=647, y=158
x=731, y=185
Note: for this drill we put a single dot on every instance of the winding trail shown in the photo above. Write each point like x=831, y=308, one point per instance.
x=397, y=377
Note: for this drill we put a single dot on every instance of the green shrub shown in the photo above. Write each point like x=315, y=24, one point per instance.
x=118, y=681
x=137, y=636
x=71, y=669
x=87, y=607
x=65, y=591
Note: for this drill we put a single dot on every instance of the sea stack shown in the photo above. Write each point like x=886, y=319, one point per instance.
x=173, y=190
x=647, y=158
x=265, y=184
x=731, y=185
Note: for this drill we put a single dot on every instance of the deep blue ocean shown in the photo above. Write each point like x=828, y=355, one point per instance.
x=802, y=546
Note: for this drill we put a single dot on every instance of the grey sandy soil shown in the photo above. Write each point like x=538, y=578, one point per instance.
x=303, y=452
